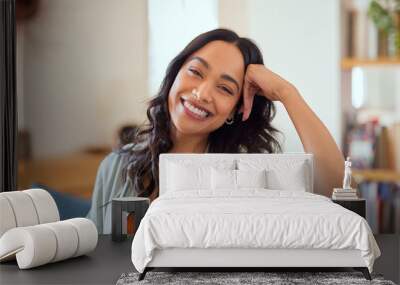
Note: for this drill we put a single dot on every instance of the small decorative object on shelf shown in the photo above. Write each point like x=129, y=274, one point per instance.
x=347, y=174
x=346, y=192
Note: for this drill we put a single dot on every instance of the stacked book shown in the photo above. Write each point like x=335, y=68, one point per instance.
x=344, y=194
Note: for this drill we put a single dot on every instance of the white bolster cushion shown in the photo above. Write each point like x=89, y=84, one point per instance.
x=40, y=244
x=87, y=235
x=26, y=208
x=23, y=209
x=32, y=246
x=67, y=240
x=7, y=219
x=45, y=205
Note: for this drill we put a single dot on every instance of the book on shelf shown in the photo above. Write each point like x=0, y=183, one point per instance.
x=341, y=190
x=394, y=146
x=345, y=198
x=345, y=194
x=336, y=197
x=382, y=155
x=374, y=146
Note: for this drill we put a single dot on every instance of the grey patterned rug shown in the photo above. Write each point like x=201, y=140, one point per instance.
x=230, y=278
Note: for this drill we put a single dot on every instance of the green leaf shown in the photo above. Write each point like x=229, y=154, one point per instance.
x=380, y=17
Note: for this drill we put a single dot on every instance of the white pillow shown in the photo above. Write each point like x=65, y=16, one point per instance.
x=191, y=174
x=237, y=179
x=282, y=173
x=223, y=179
x=295, y=180
x=251, y=178
x=183, y=177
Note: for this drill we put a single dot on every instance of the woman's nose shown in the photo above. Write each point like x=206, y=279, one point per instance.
x=205, y=92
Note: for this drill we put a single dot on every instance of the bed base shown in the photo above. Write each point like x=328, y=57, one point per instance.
x=250, y=259
x=363, y=270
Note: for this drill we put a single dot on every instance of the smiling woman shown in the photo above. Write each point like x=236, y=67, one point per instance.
x=212, y=66
x=216, y=97
x=211, y=73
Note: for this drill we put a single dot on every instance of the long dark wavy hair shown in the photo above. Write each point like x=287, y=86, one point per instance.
x=255, y=135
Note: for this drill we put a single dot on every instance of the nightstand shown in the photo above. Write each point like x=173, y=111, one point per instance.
x=356, y=205
x=126, y=205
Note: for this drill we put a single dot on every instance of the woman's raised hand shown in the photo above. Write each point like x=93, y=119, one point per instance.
x=262, y=81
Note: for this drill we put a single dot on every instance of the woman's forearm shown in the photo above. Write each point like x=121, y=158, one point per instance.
x=316, y=139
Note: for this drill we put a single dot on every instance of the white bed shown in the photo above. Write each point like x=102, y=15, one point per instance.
x=203, y=220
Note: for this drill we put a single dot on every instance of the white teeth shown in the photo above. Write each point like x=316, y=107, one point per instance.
x=194, y=109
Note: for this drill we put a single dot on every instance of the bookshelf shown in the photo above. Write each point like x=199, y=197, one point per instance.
x=370, y=124
x=380, y=186
x=348, y=63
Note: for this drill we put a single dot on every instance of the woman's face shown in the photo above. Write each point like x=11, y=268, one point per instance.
x=216, y=71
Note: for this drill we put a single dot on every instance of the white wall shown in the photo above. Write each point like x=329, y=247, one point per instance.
x=233, y=14
x=85, y=72
x=301, y=42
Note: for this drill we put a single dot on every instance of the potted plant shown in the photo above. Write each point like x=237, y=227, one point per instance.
x=386, y=17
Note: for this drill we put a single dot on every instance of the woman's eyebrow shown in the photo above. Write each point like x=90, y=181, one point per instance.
x=205, y=63
x=223, y=76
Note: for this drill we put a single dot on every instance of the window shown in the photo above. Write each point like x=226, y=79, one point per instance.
x=169, y=35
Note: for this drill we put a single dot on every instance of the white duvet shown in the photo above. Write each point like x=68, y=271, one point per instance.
x=252, y=218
